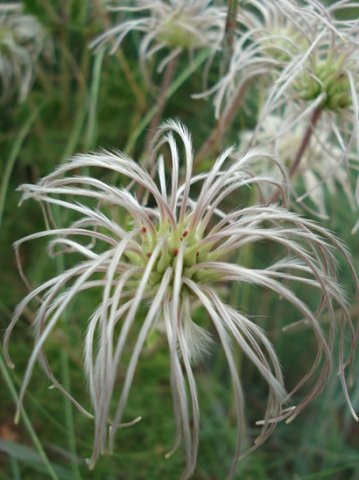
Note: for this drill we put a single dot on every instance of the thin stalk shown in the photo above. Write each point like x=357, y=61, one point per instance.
x=15, y=470
x=229, y=33
x=13, y=156
x=162, y=100
x=83, y=16
x=50, y=11
x=171, y=90
x=138, y=94
x=241, y=292
x=31, y=399
x=302, y=148
x=77, y=128
x=64, y=63
x=223, y=123
x=93, y=100
x=5, y=309
x=305, y=142
x=27, y=422
x=75, y=132
x=69, y=418
x=140, y=97
x=68, y=407
x=82, y=106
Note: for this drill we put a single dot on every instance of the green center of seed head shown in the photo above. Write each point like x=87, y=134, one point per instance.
x=174, y=33
x=328, y=78
x=5, y=34
x=282, y=43
x=174, y=240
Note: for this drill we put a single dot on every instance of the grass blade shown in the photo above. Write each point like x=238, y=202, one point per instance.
x=12, y=158
x=27, y=422
x=182, y=77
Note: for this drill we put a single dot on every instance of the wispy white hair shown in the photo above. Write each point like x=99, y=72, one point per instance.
x=21, y=41
x=171, y=251
x=169, y=27
x=323, y=167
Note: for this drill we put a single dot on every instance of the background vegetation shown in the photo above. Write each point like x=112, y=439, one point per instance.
x=81, y=101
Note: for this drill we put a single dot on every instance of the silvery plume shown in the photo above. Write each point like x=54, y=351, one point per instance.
x=269, y=37
x=156, y=249
x=322, y=168
x=22, y=39
x=319, y=90
x=168, y=28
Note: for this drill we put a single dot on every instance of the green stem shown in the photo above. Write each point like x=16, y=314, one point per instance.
x=90, y=137
x=68, y=408
x=75, y=132
x=182, y=77
x=69, y=419
x=27, y=422
x=13, y=156
x=126, y=68
x=15, y=470
x=240, y=293
x=65, y=56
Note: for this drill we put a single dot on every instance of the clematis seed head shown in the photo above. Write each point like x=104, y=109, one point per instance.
x=176, y=254
x=329, y=81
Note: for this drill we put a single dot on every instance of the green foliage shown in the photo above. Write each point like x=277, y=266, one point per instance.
x=82, y=101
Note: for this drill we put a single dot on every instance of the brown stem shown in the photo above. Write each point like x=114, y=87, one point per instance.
x=161, y=101
x=224, y=122
x=302, y=148
x=229, y=32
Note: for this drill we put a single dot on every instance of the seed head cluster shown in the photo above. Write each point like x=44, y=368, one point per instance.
x=22, y=39
x=169, y=250
x=157, y=246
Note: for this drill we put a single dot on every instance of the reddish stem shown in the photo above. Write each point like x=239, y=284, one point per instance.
x=161, y=102
x=223, y=123
x=230, y=27
x=302, y=148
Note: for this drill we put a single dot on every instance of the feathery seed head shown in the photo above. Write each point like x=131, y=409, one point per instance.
x=154, y=271
x=177, y=31
x=321, y=85
x=175, y=26
x=282, y=43
x=327, y=79
x=322, y=167
x=281, y=34
x=270, y=37
x=22, y=39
